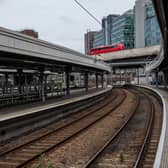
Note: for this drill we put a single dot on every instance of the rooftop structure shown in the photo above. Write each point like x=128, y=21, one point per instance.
x=30, y=32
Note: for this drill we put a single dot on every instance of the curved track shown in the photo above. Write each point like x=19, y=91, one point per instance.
x=136, y=144
x=23, y=154
x=77, y=151
x=126, y=129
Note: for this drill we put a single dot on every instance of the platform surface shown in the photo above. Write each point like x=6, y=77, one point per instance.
x=20, y=110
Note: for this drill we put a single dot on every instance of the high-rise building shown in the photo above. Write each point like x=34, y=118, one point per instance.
x=103, y=37
x=123, y=30
x=107, y=26
x=139, y=11
x=99, y=39
x=152, y=30
x=89, y=38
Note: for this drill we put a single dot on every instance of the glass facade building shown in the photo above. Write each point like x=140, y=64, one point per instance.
x=107, y=25
x=152, y=30
x=103, y=37
x=123, y=30
x=98, y=39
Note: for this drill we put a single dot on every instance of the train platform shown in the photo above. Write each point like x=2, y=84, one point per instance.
x=12, y=112
x=161, y=160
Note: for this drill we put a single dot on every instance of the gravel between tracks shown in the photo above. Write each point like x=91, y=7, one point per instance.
x=38, y=133
x=78, y=150
x=123, y=151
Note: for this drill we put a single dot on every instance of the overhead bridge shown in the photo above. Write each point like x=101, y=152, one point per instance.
x=132, y=57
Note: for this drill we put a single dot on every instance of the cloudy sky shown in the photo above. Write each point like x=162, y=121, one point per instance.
x=62, y=22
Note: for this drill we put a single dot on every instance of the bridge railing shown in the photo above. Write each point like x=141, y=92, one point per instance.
x=156, y=62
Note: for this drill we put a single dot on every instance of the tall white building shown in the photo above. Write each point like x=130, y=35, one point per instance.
x=140, y=23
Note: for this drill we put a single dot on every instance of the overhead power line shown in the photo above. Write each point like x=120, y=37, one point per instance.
x=91, y=15
x=87, y=11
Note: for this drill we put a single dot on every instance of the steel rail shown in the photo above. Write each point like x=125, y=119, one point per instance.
x=36, y=155
x=72, y=136
x=145, y=144
x=113, y=137
x=57, y=129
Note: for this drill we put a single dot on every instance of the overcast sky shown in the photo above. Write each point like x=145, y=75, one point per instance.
x=62, y=22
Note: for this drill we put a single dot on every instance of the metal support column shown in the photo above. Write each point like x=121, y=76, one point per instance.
x=26, y=85
x=120, y=76
x=20, y=81
x=102, y=80
x=96, y=80
x=125, y=76
x=42, y=86
x=138, y=76
x=86, y=81
x=111, y=77
x=45, y=85
x=5, y=88
x=67, y=81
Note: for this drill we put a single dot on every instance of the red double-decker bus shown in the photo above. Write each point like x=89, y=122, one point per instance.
x=106, y=49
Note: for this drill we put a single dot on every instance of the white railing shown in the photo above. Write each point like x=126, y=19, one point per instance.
x=156, y=62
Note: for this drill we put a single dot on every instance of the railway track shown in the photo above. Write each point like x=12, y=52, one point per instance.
x=147, y=157
x=76, y=152
x=132, y=141
x=24, y=153
x=5, y=147
x=136, y=145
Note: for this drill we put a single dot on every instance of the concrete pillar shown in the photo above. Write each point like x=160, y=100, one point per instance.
x=97, y=80
x=86, y=81
x=147, y=78
x=67, y=81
